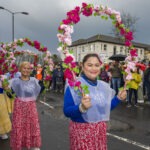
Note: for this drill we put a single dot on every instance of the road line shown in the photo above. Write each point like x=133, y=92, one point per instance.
x=50, y=106
x=129, y=141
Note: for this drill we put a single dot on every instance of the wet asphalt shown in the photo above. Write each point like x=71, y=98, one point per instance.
x=128, y=128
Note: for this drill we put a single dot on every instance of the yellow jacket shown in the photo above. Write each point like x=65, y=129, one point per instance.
x=134, y=83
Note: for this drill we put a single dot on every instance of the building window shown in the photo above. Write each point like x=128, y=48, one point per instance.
x=105, y=47
x=82, y=48
x=141, y=52
x=126, y=51
x=92, y=48
x=121, y=50
x=115, y=50
x=79, y=58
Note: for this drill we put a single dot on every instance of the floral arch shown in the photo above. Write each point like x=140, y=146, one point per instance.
x=66, y=29
x=9, y=52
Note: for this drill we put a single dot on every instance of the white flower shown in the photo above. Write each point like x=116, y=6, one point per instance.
x=68, y=41
x=59, y=49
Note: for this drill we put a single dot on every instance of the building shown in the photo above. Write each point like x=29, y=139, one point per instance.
x=106, y=46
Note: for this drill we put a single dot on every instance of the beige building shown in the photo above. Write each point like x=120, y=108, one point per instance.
x=106, y=46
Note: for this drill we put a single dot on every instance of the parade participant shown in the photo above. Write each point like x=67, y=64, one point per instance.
x=89, y=113
x=133, y=87
x=5, y=123
x=25, y=124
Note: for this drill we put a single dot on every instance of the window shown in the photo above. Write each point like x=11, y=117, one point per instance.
x=115, y=49
x=121, y=49
x=79, y=58
x=126, y=50
x=141, y=52
x=82, y=48
x=92, y=48
x=105, y=47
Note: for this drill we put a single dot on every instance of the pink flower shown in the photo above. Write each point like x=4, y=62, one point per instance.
x=127, y=70
x=133, y=52
x=44, y=49
x=87, y=11
x=66, y=21
x=29, y=43
x=73, y=65
x=129, y=36
x=48, y=78
x=73, y=15
x=68, y=41
x=71, y=83
x=68, y=74
x=96, y=8
x=128, y=43
x=2, y=60
x=128, y=58
x=68, y=60
x=131, y=65
x=32, y=66
x=129, y=77
x=78, y=83
x=109, y=11
x=36, y=44
x=122, y=31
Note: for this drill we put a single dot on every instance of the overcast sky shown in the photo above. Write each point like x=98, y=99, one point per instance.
x=45, y=15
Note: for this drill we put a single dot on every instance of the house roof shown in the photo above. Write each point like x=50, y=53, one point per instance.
x=108, y=39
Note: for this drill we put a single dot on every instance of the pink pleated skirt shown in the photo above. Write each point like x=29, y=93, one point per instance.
x=88, y=136
x=25, y=126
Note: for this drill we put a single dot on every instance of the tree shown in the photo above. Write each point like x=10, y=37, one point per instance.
x=129, y=21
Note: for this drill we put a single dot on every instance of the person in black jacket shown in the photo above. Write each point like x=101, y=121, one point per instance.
x=147, y=82
x=59, y=79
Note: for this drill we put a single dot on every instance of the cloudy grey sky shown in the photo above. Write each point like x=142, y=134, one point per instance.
x=45, y=15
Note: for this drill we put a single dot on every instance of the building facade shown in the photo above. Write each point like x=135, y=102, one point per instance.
x=107, y=46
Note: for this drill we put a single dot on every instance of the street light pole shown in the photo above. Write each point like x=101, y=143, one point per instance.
x=13, y=15
x=13, y=27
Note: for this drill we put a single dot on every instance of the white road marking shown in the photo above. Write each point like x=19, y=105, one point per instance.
x=129, y=141
x=50, y=106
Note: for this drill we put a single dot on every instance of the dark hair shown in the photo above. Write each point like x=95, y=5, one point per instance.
x=138, y=70
x=86, y=57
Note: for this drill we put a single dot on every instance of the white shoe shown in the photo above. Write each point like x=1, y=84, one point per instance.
x=129, y=105
x=141, y=101
x=4, y=137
